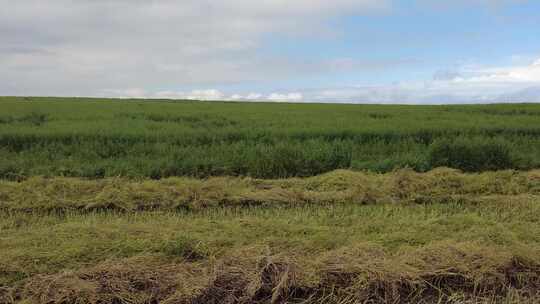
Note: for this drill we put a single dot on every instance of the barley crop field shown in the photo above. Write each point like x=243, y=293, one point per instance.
x=156, y=201
x=107, y=138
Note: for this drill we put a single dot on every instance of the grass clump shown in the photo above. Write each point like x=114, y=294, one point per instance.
x=32, y=118
x=471, y=155
x=185, y=247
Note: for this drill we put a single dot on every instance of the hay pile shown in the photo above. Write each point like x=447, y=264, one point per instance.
x=403, y=186
x=440, y=273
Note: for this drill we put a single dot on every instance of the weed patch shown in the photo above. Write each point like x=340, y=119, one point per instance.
x=471, y=155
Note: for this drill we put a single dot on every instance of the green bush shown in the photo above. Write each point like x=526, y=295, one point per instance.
x=471, y=154
x=10, y=171
x=288, y=158
x=36, y=119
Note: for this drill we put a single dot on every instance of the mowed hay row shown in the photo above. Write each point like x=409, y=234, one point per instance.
x=438, y=273
x=342, y=186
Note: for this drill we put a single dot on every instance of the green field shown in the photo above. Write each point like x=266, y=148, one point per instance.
x=99, y=138
x=146, y=202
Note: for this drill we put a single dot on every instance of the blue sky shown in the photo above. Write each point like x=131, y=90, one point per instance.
x=362, y=51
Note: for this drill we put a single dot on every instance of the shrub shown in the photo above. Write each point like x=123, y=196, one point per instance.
x=11, y=172
x=36, y=119
x=288, y=159
x=33, y=118
x=471, y=154
x=6, y=120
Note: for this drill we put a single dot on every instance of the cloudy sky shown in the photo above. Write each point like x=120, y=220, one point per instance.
x=364, y=51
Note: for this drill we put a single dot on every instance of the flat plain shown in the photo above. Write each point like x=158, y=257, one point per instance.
x=105, y=138
x=135, y=201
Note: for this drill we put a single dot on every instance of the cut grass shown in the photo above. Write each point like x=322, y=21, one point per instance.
x=420, y=238
x=338, y=187
x=441, y=272
x=379, y=253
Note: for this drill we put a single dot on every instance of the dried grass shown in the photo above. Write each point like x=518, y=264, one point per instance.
x=402, y=186
x=440, y=273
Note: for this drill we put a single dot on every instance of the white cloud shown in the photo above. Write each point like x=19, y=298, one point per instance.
x=202, y=94
x=237, y=97
x=86, y=47
x=254, y=96
x=65, y=47
x=208, y=94
x=518, y=74
x=125, y=93
x=285, y=97
x=469, y=84
x=211, y=94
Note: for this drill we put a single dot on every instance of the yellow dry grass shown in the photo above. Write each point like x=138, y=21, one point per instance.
x=341, y=186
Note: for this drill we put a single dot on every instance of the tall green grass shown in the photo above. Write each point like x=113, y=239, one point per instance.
x=135, y=138
x=472, y=154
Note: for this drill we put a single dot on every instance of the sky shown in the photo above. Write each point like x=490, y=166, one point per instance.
x=342, y=51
